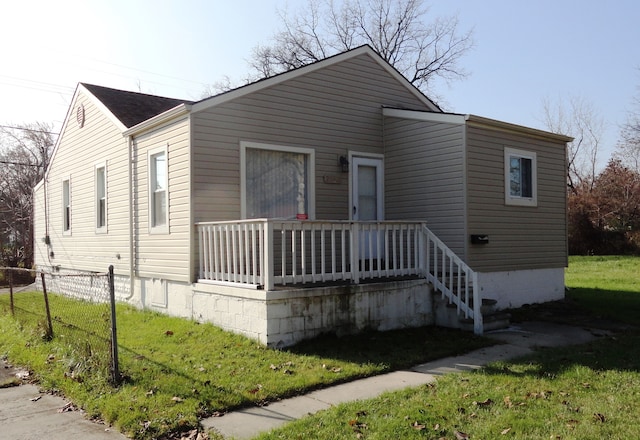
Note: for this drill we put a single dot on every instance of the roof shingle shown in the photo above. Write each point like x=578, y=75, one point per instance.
x=132, y=108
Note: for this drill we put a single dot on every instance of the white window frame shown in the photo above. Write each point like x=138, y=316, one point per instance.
x=311, y=163
x=101, y=228
x=66, y=205
x=163, y=228
x=517, y=200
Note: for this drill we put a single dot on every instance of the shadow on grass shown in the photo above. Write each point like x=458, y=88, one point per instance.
x=393, y=349
x=616, y=312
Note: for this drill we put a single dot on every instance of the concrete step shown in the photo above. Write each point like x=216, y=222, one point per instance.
x=490, y=322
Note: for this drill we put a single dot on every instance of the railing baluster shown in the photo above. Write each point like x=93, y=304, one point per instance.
x=294, y=253
x=312, y=239
x=323, y=253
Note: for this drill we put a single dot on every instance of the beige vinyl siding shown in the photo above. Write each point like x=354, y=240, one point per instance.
x=99, y=141
x=333, y=110
x=424, y=170
x=520, y=237
x=164, y=255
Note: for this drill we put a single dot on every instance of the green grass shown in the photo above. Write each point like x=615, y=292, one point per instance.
x=177, y=371
x=588, y=391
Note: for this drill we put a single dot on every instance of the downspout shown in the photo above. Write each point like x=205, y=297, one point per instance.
x=130, y=151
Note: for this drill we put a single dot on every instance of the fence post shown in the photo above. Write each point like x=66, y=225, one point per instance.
x=49, y=334
x=115, y=368
x=10, y=273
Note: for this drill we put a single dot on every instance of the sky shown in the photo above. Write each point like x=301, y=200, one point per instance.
x=525, y=52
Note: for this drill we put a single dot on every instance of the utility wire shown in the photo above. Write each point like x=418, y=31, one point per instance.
x=28, y=129
x=8, y=162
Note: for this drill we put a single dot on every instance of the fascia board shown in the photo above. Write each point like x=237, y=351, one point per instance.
x=278, y=79
x=449, y=118
x=479, y=121
x=162, y=118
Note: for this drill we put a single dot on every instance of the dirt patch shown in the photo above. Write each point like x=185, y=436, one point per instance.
x=11, y=376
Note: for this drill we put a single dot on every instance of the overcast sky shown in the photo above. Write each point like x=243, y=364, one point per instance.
x=525, y=51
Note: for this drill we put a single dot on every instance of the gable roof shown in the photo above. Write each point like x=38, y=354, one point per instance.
x=132, y=108
x=281, y=77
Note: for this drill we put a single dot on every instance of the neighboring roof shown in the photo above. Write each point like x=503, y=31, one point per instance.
x=132, y=108
x=284, y=76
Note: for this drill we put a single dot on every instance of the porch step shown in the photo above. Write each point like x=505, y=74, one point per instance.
x=488, y=306
x=490, y=322
x=447, y=316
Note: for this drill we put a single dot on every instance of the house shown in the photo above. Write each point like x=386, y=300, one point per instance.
x=331, y=198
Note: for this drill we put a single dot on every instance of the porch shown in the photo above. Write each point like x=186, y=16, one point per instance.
x=283, y=255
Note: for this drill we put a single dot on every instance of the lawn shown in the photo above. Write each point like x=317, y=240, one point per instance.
x=177, y=371
x=590, y=391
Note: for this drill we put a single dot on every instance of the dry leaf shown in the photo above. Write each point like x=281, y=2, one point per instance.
x=507, y=402
x=461, y=435
x=599, y=417
x=176, y=399
x=168, y=333
x=487, y=402
x=418, y=426
x=505, y=431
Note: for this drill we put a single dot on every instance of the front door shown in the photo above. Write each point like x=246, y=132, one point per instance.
x=367, y=200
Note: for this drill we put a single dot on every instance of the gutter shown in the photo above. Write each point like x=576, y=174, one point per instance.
x=179, y=110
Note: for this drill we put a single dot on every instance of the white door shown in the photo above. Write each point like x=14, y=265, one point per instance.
x=367, y=200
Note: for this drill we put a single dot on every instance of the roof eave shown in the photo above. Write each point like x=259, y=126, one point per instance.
x=480, y=121
x=280, y=78
x=162, y=118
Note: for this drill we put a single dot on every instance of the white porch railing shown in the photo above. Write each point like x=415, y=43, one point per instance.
x=456, y=281
x=263, y=253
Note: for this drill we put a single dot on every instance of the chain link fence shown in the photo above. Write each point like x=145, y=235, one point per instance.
x=74, y=308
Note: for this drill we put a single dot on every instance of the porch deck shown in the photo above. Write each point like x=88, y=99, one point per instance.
x=271, y=254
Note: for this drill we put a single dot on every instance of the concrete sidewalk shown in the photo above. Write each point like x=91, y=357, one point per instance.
x=27, y=414
x=517, y=341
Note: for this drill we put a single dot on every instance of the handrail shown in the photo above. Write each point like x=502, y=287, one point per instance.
x=450, y=275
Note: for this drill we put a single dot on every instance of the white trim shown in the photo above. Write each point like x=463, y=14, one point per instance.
x=518, y=200
x=417, y=115
x=96, y=201
x=311, y=190
x=162, y=229
x=103, y=108
x=162, y=118
x=357, y=154
x=277, y=79
x=66, y=232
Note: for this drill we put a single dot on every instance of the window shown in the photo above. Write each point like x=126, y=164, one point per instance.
x=277, y=182
x=158, y=212
x=520, y=177
x=101, y=198
x=66, y=207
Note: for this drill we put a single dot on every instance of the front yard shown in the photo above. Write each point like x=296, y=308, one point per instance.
x=177, y=371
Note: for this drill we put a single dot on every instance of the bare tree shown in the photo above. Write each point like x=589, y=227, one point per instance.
x=396, y=29
x=24, y=155
x=577, y=118
x=628, y=148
